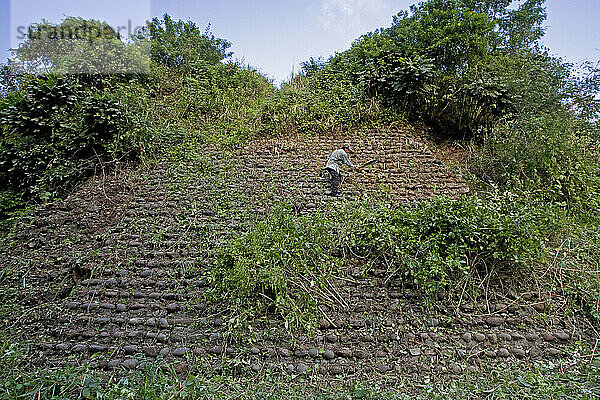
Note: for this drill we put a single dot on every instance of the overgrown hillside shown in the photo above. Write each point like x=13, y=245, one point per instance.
x=166, y=225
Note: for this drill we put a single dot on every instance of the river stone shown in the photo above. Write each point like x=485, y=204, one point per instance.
x=79, y=348
x=344, y=352
x=552, y=351
x=301, y=368
x=367, y=338
x=335, y=369
x=467, y=337
x=180, y=352
x=130, y=363
x=494, y=321
x=502, y=352
x=255, y=350
x=146, y=273
x=331, y=338
x=357, y=323
x=564, y=336
x=548, y=337
x=129, y=349
x=324, y=324
x=504, y=336
x=284, y=352
x=255, y=367
x=532, y=337
x=414, y=351
x=95, y=348
x=479, y=337
x=361, y=354
x=181, y=367
x=151, y=351
x=199, y=351
x=539, y=307
x=328, y=355
x=383, y=368
x=535, y=352
x=163, y=323
x=455, y=369
x=300, y=353
x=520, y=353
x=165, y=352
x=313, y=352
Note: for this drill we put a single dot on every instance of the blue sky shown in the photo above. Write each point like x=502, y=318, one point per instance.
x=275, y=35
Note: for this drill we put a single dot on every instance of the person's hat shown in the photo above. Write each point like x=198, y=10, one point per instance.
x=347, y=147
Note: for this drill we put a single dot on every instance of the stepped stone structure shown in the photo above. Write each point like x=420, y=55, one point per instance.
x=403, y=168
x=115, y=275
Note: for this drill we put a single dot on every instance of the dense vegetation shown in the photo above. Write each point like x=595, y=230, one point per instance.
x=470, y=71
x=288, y=263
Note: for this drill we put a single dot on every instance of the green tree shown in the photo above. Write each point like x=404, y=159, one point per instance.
x=455, y=37
x=181, y=44
x=78, y=47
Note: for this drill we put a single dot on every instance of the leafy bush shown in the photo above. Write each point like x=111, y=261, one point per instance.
x=433, y=243
x=280, y=265
x=325, y=99
x=400, y=81
x=551, y=154
x=283, y=263
x=54, y=133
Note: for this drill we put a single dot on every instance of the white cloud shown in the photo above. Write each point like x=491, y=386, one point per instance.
x=343, y=16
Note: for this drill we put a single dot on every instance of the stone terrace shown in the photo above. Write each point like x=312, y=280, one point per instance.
x=115, y=275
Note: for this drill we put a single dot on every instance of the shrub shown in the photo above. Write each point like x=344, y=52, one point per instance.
x=54, y=133
x=436, y=242
x=283, y=264
x=550, y=154
x=400, y=81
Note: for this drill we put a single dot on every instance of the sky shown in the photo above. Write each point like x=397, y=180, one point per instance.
x=275, y=36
